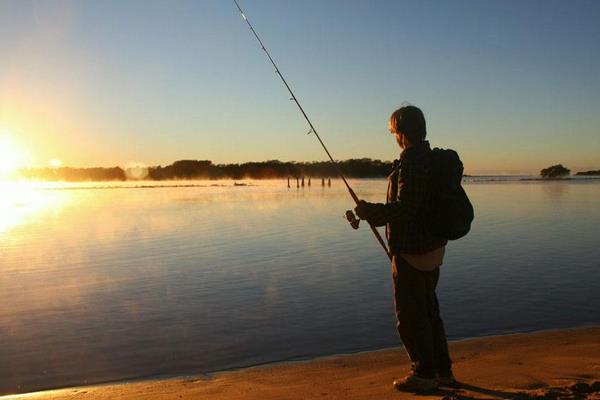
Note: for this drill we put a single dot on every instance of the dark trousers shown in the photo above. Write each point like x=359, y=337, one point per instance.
x=418, y=314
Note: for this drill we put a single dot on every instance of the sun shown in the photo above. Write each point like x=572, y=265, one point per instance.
x=11, y=157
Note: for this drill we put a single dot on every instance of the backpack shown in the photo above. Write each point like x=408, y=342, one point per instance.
x=451, y=213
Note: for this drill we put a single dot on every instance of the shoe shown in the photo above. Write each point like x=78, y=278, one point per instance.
x=415, y=383
x=446, y=379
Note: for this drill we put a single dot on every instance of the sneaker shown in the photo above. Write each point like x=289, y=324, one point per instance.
x=415, y=383
x=446, y=379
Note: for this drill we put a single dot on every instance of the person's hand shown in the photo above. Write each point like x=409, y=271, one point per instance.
x=364, y=209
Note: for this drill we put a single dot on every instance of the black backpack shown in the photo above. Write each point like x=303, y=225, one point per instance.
x=451, y=213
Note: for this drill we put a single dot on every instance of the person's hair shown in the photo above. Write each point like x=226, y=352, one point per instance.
x=410, y=121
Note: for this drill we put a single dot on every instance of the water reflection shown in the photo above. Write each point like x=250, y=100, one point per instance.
x=24, y=203
x=556, y=190
x=101, y=284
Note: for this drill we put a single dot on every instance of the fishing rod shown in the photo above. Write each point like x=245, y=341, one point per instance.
x=349, y=214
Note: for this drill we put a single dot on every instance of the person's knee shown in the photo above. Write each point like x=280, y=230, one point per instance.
x=414, y=322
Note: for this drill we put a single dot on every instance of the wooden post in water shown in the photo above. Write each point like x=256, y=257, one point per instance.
x=329, y=182
x=302, y=181
x=323, y=182
x=297, y=183
x=288, y=182
x=308, y=182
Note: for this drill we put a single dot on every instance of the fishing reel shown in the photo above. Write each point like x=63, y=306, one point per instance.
x=352, y=219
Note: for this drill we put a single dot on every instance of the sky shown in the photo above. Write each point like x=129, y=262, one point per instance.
x=513, y=86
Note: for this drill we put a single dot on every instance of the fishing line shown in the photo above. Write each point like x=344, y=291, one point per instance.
x=312, y=129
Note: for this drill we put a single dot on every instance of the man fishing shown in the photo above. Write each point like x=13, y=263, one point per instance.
x=416, y=255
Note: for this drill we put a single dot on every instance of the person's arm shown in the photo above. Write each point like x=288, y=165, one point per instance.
x=412, y=191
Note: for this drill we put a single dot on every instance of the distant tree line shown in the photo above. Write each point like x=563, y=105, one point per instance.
x=273, y=169
x=589, y=173
x=555, y=171
x=560, y=171
x=74, y=174
x=205, y=169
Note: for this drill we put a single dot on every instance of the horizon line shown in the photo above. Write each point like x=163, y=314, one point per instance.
x=145, y=165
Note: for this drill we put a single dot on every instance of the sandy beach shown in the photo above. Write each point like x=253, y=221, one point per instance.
x=552, y=364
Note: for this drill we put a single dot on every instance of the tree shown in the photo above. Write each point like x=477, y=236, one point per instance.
x=589, y=173
x=555, y=171
x=188, y=169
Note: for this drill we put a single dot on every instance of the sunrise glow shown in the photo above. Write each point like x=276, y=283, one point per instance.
x=22, y=202
x=12, y=156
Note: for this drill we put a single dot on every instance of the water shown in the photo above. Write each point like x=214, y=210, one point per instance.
x=103, y=284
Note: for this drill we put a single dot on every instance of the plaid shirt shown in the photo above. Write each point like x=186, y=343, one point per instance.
x=409, y=196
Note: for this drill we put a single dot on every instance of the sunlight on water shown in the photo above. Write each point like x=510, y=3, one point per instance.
x=24, y=203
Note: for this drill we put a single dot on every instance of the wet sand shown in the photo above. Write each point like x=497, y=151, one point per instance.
x=553, y=364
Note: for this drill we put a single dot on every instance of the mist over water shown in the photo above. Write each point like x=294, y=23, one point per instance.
x=99, y=285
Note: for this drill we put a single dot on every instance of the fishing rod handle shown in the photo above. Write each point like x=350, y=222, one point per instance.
x=373, y=228
x=380, y=240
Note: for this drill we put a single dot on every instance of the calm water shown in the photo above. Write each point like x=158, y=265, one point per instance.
x=111, y=284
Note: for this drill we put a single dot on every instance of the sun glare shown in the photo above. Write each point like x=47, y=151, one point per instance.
x=11, y=157
x=25, y=202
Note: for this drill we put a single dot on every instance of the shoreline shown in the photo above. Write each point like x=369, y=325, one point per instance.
x=178, y=184
x=536, y=364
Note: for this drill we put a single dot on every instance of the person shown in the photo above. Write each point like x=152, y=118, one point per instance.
x=416, y=255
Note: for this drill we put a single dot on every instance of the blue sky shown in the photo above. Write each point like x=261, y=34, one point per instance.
x=514, y=86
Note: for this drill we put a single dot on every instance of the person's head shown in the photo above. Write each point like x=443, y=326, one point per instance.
x=408, y=125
